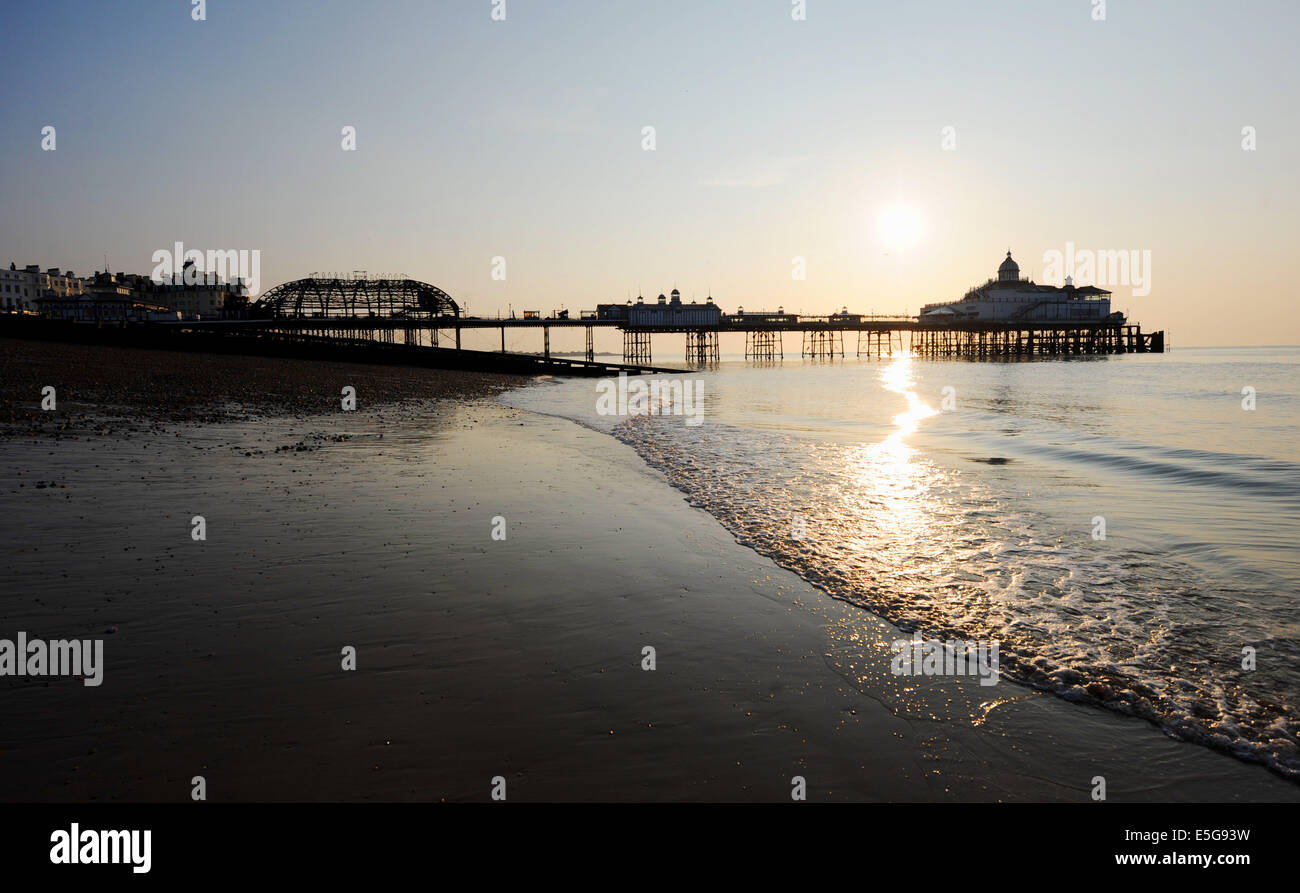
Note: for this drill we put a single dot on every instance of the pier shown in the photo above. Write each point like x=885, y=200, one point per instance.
x=416, y=314
x=412, y=322
x=819, y=336
x=828, y=337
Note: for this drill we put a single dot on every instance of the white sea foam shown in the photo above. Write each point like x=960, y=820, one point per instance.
x=895, y=516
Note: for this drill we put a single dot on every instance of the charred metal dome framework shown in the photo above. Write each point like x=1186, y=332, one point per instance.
x=339, y=297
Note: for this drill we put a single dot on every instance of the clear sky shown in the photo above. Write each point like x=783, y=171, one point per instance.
x=775, y=139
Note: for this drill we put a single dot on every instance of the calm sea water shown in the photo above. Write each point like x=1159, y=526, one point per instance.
x=982, y=518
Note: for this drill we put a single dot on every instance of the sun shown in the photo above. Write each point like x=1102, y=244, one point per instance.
x=900, y=225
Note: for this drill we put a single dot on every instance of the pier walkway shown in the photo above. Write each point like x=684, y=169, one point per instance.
x=819, y=336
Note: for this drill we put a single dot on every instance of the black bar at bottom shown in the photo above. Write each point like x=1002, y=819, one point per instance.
x=1046, y=843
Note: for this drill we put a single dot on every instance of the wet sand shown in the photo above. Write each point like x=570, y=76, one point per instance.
x=477, y=657
x=130, y=387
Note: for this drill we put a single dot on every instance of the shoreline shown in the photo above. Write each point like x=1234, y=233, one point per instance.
x=477, y=657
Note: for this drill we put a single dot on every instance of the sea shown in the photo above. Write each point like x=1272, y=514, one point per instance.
x=1125, y=527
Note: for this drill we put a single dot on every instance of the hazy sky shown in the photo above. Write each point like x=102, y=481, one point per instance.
x=775, y=139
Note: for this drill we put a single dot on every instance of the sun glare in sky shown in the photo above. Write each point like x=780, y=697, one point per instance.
x=899, y=225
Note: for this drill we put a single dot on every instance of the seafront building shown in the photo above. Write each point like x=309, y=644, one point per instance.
x=20, y=289
x=108, y=297
x=665, y=312
x=1008, y=298
x=116, y=297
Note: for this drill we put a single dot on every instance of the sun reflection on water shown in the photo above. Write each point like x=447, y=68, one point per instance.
x=886, y=470
x=897, y=377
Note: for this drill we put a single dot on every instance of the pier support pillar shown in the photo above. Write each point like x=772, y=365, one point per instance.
x=701, y=347
x=764, y=347
x=636, y=347
x=822, y=342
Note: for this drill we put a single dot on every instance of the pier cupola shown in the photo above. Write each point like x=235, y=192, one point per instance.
x=662, y=298
x=1010, y=270
x=676, y=296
